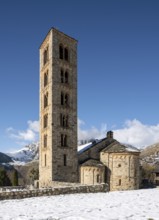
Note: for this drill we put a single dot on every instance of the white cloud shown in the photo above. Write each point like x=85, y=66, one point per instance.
x=80, y=122
x=137, y=134
x=10, y=129
x=28, y=135
x=34, y=125
x=133, y=132
x=93, y=132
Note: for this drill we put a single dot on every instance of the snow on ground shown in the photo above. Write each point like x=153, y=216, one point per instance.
x=124, y=205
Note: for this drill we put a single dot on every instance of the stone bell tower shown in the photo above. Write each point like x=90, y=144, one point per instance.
x=58, y=109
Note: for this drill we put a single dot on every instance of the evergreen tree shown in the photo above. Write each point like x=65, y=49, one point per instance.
x=4, y=179
x=34, y=174
x=15, y=178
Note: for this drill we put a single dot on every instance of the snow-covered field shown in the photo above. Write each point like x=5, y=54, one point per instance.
x=125, y=205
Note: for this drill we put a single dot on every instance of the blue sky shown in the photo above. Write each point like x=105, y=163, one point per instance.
x=118, y=67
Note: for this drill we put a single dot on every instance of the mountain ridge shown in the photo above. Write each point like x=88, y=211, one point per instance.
x=30, y=153
x=4, y=158
x=27, y=154
x=150, y=154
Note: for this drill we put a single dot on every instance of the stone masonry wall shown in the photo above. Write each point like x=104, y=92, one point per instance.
x=122, y=170
x=92, y=175
x=93, y=152
x=58, y=139
x=53, y=191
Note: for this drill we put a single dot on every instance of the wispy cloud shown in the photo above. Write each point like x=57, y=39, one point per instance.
x=133, y=132
x=93, y=132
x=29, y=135
x=137, y=134
x=34, y=126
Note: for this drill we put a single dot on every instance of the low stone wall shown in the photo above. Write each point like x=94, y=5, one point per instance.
x=57, y=184
x=11, y=188
x=53, y=191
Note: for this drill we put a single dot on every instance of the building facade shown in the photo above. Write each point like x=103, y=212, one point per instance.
x=58, y=109
x=109, y=161
x=105, y=161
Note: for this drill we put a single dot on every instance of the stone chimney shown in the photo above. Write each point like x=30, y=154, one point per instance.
x=110, y=134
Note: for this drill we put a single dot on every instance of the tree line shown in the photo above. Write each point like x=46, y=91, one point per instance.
x=6, y=180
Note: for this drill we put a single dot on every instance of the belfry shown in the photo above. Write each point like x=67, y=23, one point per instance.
x=58, y=109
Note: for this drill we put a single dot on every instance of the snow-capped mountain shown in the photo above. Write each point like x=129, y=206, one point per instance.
x=28, y=153
x=31, y=152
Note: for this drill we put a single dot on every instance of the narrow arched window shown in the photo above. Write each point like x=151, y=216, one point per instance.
x=45, y=120
x=65, y=140
x=64, y=160
x=62, y=99
x=98, y=178
x=66, y=54
x=66, y=77
x=46, y=79
x=45, y=100
x=119, y=182
x=45, y=160
x=45, y=141
x=66, y=100
x=46, y=55
x=62, y=76
x=66, y=121
x=61, y=51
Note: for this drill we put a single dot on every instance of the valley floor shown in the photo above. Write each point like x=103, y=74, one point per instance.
x=124, y=205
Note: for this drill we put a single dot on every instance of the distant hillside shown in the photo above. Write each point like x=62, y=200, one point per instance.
x=5, y=158
x=150, y=153
x=25, y=160
x=24, y=172
x=30, y=153
x=27, y=154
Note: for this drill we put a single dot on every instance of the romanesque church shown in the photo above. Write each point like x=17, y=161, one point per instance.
x=104, y=161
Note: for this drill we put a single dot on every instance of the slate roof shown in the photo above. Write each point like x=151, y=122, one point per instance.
x=89, y=146
x=108, y=144
x=117, y=147
x=92, y=162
